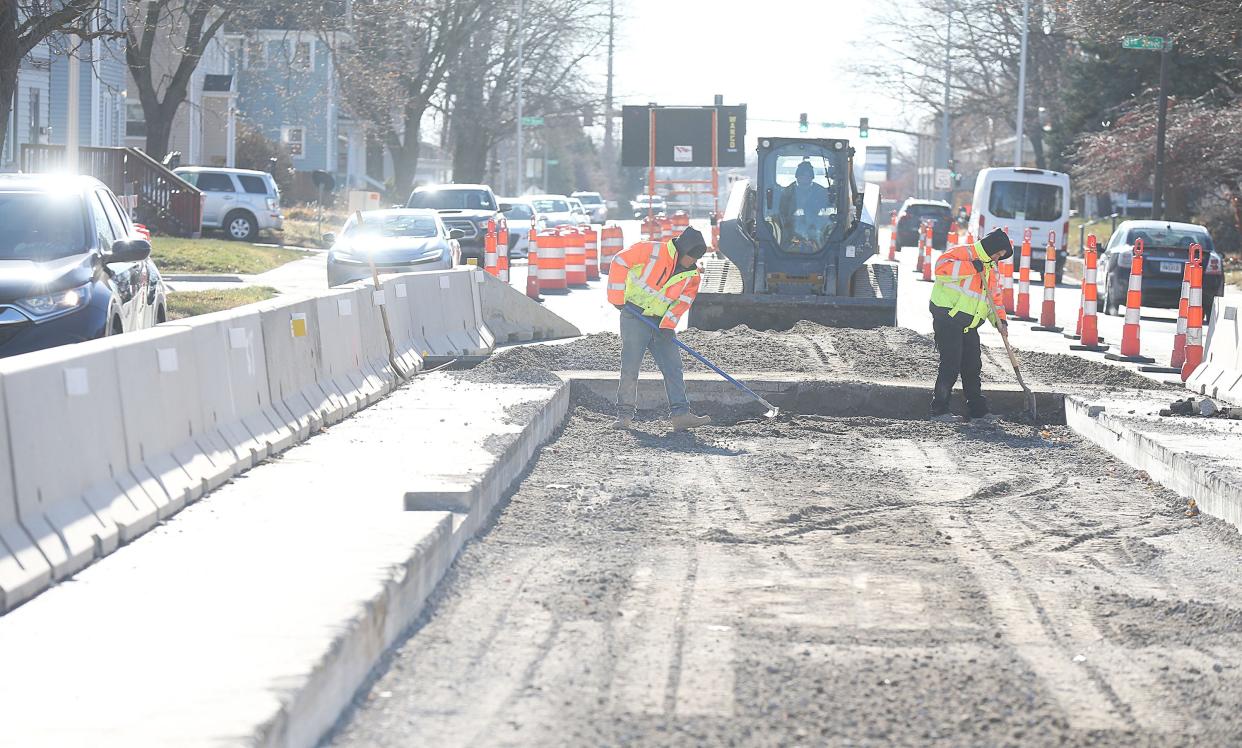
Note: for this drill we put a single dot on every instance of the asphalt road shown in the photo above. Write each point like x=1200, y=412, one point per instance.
x=824, y=581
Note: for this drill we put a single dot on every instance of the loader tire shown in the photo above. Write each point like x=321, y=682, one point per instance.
x=874, y=281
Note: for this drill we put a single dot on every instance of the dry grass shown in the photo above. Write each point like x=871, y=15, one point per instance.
x=183, y=304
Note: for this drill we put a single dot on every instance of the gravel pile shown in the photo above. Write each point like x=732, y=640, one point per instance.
x=881, y=353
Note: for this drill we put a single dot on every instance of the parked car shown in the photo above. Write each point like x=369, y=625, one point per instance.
x=396, y=240
x=72, y=265
x=552, y=211
x=579, y=211
x=1019, y=198
x=241, y=202
x=594, y=204
x=912, y=215
x=639, y=205
x=466, y=207
x=1166, y=250
x=520, y=217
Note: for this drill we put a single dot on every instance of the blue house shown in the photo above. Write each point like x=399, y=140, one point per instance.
x=41, y=105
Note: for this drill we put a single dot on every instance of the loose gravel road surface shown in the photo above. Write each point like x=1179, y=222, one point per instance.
x=824, y=581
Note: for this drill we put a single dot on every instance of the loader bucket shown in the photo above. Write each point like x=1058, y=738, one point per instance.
x=721, y=311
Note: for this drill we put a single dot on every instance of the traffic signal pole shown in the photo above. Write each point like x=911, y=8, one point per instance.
x=1157, y=190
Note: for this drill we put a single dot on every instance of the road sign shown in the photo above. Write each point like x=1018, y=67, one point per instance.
x=683, y=154
x=532, y=121
x=944, y=179
x=553, y=162
x=1153, y=43
x=831, y=125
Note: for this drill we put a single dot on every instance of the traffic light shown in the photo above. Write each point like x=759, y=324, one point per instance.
x=802, y=123
x=863, y=127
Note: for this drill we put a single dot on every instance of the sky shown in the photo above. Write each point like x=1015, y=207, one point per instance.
x=780, y=57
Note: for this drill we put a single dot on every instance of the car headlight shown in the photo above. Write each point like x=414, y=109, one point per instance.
x=344, y=253
x=56, y=304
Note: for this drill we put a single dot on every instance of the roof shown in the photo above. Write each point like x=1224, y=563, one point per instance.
x=438, y=187
x=47, y=182
x=1150, y=224
x=546, y=197
x=937, y=203
x=219, y=170
x=418, y=212
x=584, y=192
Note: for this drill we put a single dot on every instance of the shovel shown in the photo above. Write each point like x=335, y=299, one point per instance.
x=773, y=411
x=1013, y=360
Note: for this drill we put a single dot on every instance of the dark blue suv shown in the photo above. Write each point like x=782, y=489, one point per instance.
x=72, y=265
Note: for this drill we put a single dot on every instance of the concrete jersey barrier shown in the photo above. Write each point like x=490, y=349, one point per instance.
x=513, y=317
x=1220, y=374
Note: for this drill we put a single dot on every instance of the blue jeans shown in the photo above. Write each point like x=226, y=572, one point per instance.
x=636, y=339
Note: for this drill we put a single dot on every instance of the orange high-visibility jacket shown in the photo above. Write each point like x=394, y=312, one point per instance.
x=960, y=288
x=647, y=276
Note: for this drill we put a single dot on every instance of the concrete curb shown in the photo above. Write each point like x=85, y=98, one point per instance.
x=191, y=277
x=1190, y=474
x=316, y=706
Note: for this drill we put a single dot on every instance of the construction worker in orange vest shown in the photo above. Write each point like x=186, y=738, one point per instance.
x=656, y=281
x=965, y=279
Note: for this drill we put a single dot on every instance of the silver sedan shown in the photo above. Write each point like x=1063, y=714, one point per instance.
x=400, y=240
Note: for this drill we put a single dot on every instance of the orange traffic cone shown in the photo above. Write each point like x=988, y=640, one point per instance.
x=1194, y=317
x=1131, y=350
x=532, y=267
x=1088, y=324
x=1022, y=309
x=929, y=244
x=1048, y=312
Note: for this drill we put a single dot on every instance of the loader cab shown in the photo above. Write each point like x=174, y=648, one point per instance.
x=805, y=194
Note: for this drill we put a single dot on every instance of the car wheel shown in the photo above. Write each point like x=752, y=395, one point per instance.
x=239, y=226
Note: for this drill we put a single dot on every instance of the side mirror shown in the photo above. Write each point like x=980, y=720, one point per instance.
x=328, y=238
x=129, y=250
x=457, y=234
x=505, y=207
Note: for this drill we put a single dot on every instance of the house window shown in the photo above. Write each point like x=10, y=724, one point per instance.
x=36, y=116
x=135, y=120
x=302, y=56
x=294, y=138
x=254, y=54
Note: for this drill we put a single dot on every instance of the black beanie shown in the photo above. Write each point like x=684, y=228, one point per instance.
x=690, y=243
x=997, y=245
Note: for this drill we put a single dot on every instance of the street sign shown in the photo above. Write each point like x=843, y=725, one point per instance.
x=944, y=179
x=553, y=162
x=532, y=121
x=831, y=125
x=683, y=154
x=1153, y=43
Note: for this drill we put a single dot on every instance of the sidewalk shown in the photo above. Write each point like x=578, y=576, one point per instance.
x=253, y=616
x=299, y=276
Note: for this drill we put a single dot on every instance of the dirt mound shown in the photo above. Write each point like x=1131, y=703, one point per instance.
x=808, y=348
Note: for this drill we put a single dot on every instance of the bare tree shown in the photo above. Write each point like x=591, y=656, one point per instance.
x=984, y=50
x=557, y=36
x=394, y=67
x=24, y=24
x=166, y=39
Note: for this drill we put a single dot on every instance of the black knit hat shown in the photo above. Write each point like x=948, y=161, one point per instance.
x=690, y=243
x=997, y=245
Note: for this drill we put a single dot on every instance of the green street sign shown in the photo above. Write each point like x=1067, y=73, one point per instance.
x=830, y=125
x=1153, y=43
x=553, y=162
x=532, y=121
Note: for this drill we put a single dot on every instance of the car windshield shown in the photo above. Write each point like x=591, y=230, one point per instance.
x=551, y=206
x=415, y=227
x=1025, y=201
x=1169, y=238
x=802, y=188
x=590, y=199
x=519, y=211
x=41, y=226
x=452, y=200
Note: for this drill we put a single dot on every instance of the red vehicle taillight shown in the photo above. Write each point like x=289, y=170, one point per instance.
x=1214, y=265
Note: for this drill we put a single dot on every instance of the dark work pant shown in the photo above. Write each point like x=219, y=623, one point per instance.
x=959, y=356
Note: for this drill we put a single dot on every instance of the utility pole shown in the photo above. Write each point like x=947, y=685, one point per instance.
x=608, y=90
x=1157, y=191
x=521, y=166
x=945, y=121
x=1017, y=143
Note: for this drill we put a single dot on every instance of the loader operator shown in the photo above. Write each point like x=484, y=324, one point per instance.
x=654, y=284
x=802, y=203
x=965, y=280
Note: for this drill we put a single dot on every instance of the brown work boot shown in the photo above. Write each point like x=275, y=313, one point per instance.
x=689, y=421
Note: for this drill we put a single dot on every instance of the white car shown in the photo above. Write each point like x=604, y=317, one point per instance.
x=594, y=204
x=581, y=216
x=552, y=211
x=397, y=240
x=242, y=202
x=520, y=217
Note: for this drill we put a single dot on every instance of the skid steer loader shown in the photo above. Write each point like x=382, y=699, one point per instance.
x=799, y=243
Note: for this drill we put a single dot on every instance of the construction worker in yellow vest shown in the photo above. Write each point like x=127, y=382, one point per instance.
x=965, y=280
x=654, y=284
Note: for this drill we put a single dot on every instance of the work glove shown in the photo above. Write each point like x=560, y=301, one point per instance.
x=620, y=307
x=978, y=265
x=1003, y=326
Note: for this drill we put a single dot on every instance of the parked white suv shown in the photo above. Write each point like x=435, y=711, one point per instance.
x=241, y=202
